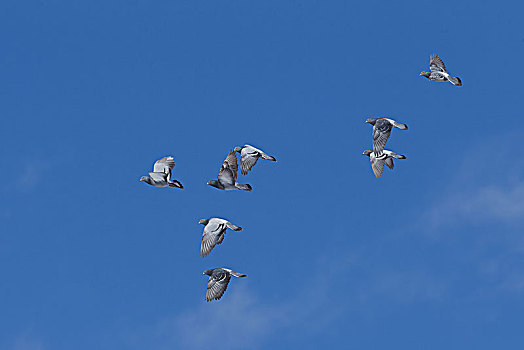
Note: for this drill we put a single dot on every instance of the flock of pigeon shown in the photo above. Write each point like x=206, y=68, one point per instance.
x=215, y=228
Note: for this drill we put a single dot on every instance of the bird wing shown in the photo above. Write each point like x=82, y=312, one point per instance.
x=213, y=235
x=381, y=132
x=217, y=285
x=229, y=169
x=164, y=165
x=436, y=64
x=437, y=76
x=389, y=163
x=377, y=165
x=248, y=159
x=158, y=177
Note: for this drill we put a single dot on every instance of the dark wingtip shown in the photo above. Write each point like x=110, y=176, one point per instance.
x=273, y=159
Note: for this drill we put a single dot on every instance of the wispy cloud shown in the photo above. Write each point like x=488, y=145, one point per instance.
x=501, y=203
x=487, y=186
x=244, y=319
x=26, y=343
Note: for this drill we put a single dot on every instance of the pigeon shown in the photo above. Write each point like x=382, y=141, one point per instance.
x=218, y=281
x=160, y=177
x=227, y=177
x=249, y=156
x=214, y=232
x=377, y=163
x=439, y=73
x=381, y=131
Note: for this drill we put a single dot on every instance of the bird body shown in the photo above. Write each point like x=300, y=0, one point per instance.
x=161, y=175
x=381, y=130
x=377, y=162
x=218, y=281
x=249, y=156
x=214, y=231
x=227, y=177
x=438, y=72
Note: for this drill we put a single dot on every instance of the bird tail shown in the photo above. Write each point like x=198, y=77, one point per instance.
x=244, y=187
x=265, y=156
x=175, y=183
x=237, y=274
x=234, y=227
x=455, y=81
x=398, y=156
x=400, y=126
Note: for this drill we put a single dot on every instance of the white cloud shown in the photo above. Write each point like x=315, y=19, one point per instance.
x=504, y=204
x=26, y=343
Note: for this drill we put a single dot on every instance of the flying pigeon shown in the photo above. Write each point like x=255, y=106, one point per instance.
x=439, y=72
x=160, y=177
x=249, y=156
x=218, y=281
x=214, y=232
x=381, y=131
x=377, y=163
x=227, y=177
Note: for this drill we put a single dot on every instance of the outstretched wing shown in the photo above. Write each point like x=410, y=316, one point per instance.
x=381, y=132
x=248, y=159
x=213, y=235
x=217, y=285
x=164, y=165
x=389, y=163
x=229, y=169
x=436, y=64
x=377, y=165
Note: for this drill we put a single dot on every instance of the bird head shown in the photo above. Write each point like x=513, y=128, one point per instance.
x=367, y=152
x=424, y=74
x=146, y=179
x=203, y=221
x=238, y=149
x=371, y=121
x=213, y=183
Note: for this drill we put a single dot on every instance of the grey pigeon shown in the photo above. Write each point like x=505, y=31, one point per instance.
x=227, y=177
x=160, y=177
x=377, y=163
x=381, y=131
x=214, y=232
x=249, y=156
x=438, y=72
x=218, y=281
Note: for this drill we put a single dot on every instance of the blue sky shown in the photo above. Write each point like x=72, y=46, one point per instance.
x=92, y=93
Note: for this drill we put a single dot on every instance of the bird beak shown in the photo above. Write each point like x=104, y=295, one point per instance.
x=420, y=74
